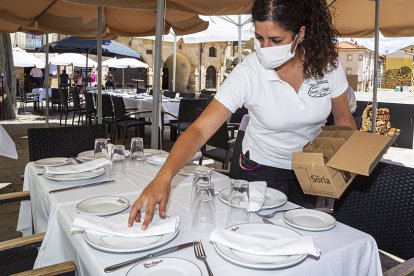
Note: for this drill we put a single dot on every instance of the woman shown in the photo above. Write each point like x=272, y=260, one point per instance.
x=290, y=84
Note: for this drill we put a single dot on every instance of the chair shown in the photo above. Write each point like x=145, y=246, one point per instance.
x=236, y=119
x=170, y=94
x=187, y=113
x=187, y=95
x=404, y=269
x=207, y=96
x=62, y=141
x=108, y=117
x=124, y=120
x=55, y=98
x=78, y=108
x=24, y=99
x=65, y=105
x=90, y=107
x=382, y=205
x=208, y=92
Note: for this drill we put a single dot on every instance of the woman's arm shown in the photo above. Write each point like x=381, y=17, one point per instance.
x=341, y=111
x=158, y=190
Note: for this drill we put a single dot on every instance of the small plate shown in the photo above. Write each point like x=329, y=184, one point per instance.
x=149, y=152
x=269, y=231
x=75, y=176
x=311, y=220
x=189, y=170
x=273, y=198
x=118, y=244
x=150, y=159
x=53, y=162
x=89, y=155
x=102, y=205
x=165, y=266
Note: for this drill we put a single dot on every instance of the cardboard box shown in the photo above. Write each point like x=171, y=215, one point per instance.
x=329, y=163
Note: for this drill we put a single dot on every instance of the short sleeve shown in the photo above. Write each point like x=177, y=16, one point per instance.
x=233, y=91
x=337, y=81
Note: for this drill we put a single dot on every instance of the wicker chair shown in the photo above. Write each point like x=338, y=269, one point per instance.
x=90, y=107
x=65, y=105
x=169, y=94
x=187, y=95
x=62, y=141
x=78, y=108
x=382, y=205
x=404, y=269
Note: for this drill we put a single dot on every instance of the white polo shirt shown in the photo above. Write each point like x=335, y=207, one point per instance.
x=281, y=120
x=36, y=72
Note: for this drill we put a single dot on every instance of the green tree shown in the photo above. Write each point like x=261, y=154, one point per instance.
x=9, y=77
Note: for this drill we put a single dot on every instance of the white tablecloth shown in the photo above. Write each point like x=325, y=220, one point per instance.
x=7, y=145
x=387, y=97
x=41, y=93
x=345, y=251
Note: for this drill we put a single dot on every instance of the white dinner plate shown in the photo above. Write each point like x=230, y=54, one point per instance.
x=190, y=169
x=118, y=244
x=152, y=159
x=267, y=231
x=102, y=205
x=166, y=266
x=308, y=219
x=149, y=152
x=89, y=155
x=273, y=198
x=53, y=162
x=75, y=176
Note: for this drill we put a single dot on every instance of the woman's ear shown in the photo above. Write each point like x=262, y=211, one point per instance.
x=301, y=34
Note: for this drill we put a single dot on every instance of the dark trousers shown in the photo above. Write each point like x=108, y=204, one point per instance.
x=279, y=179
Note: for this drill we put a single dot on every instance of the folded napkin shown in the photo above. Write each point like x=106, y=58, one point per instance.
x=257, y=195
x=111, y=226
x=78, y=168
x=264, y=246
x=158, y=158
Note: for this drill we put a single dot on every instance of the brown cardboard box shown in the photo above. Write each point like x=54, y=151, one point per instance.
x=331, y=161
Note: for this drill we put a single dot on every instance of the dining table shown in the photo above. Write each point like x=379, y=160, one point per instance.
x=344, y=250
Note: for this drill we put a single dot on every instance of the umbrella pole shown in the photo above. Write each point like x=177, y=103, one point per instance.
x=239, y=26
x=375, y=84
x=174, y=62
x=99, y=52
x=87, y=79
x=159, y=29
x=122, y=79
x=47, y=79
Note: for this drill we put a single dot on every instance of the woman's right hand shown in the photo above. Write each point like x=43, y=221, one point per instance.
x=156, y=192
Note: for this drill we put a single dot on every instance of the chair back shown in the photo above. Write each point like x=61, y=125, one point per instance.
x=207, y=96
x=169, y=94
x=89, y=103
x=188, y=110
x=107, y=108
x=382, y=205
x=208, y=92
x=76, y=98
x=63, y=98
x=62, y=141
x=187, y=95
x=220, y=138
x=119, y=108
x=235, y=171
x=55, y=98
x=237, y=116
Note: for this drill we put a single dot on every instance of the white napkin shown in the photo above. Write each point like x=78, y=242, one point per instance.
x=3, y=185
x=257, y=195
x=266, y=247
x=111, y=226
x=78, y=168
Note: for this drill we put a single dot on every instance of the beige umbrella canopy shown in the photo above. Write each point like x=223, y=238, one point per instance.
x=356, y=18
x=58, y=16
x=206, y=7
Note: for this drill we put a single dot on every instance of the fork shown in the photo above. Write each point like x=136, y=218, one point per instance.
x=271, y=215
x=201, y=255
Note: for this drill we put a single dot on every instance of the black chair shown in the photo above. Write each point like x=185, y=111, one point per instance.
x=236, y=119
x=90, y=107
x=123, y=119
x=55, y=98
x=24, y=99
x=208, y=92
x=187, y=113
x=141, y=90
x=221, y=150
x=207, y=96
x=382, y=205
x=62, y=141
x=187, y=95
x=169, y=94
x=65, y=105
x=108, y=116
x=78, y=108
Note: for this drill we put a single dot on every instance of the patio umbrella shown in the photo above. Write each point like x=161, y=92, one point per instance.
x=21, y=58
x=366, y=18
x=72, y=59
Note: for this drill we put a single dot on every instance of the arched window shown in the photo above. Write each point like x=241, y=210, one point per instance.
x=212, y=52
x=211, y=77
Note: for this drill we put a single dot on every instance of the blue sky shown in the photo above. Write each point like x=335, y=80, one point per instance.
x=385, y=43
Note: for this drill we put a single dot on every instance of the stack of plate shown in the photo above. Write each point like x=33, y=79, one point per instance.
x=157, y=159
x=53, y=162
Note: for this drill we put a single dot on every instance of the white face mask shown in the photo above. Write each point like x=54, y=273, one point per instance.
x=273, y=57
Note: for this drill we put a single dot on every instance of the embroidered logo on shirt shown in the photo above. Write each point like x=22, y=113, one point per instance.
x=319, y=89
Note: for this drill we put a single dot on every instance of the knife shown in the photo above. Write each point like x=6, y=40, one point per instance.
x=81, y=186
x=151, y=255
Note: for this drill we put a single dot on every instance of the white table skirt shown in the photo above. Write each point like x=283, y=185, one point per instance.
x=41, y=93
x=387, y=97
x=345, y=251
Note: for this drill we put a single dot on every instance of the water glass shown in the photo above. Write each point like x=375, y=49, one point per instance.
x=118, y=161
x=238, y=203
x=137, y=148
x=204, y=213
x=101, y=147
x=199, y=175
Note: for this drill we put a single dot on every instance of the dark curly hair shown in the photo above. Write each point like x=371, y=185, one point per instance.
x=318, y=49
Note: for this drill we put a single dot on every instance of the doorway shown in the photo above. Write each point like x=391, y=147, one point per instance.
x=165, y=77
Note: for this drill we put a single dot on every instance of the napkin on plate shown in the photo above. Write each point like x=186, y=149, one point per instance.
x=78, y=168
x=264, y=246
x=111, y=226
x=257, y=195
x=158, y=158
